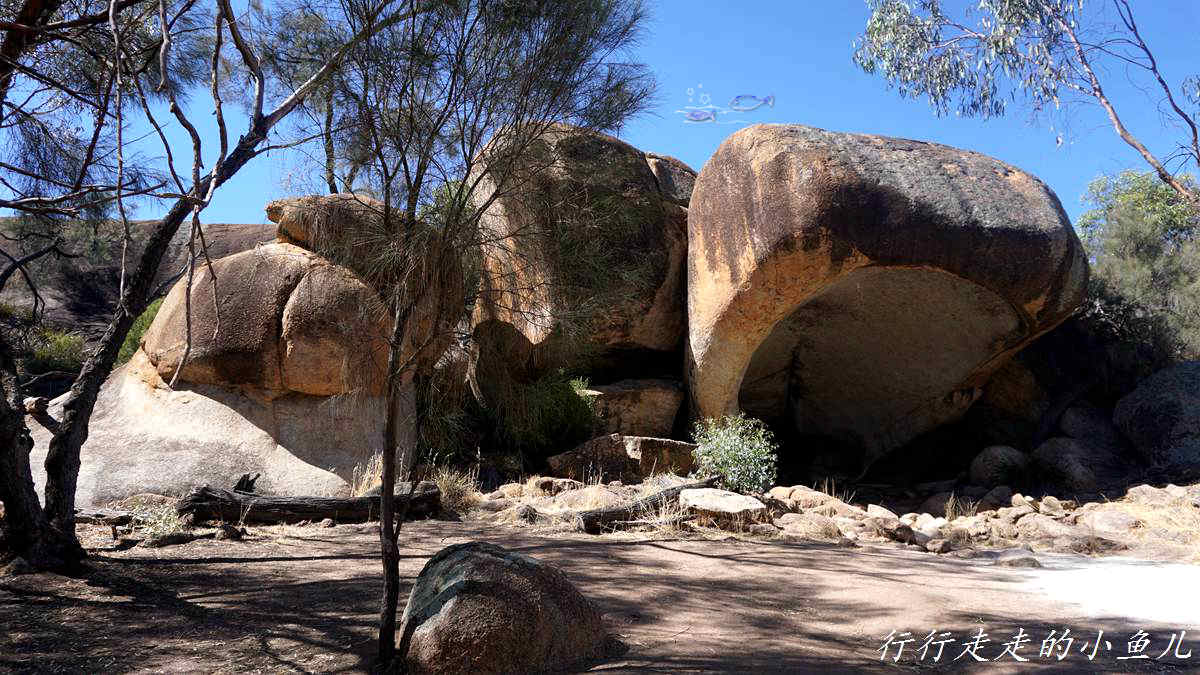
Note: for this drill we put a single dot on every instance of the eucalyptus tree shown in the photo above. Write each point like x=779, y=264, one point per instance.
x=76, y=78
x=1143, y=240
x=975, y=59
x=442, y=117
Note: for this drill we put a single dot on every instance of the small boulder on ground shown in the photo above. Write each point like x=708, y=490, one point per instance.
x=1066, y=465
x=722, y=508
x=808, y=526
x=1162, y=419
x=476, y=607
x=998, y=465
x=628, y=458
x=546, y=485
x=637, y=407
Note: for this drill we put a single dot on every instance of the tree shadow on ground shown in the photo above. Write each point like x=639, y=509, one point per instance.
x=300, y=604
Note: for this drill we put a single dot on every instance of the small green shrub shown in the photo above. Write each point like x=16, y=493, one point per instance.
x=55, y=350
x=134, y=337
x=549, y=415
x=738, y=449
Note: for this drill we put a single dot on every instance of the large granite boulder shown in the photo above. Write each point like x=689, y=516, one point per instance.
x=478, y=608
x=278, y=360
x=284, y=320
x=592, y=248
x=862, y=288
x=1161, y=418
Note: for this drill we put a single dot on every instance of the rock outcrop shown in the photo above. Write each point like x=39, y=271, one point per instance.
x=596, y=249
x=478, y=608
x=862, y=288
x=285, y=371
x=637, y=407
x=146, y=437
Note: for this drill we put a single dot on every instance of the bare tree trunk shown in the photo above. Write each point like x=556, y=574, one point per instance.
x=25, y=524
x=388, y=535
x=327, y=138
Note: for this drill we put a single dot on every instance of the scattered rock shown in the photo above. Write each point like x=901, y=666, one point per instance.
x=1036, y=526
x=999, y=465
x=476, y=607
x=1011, y=514
x=590, y=497
x=893, y=529
x=512, y=490
x=545, y=485
x=1050, y=506
x=228, y=532
x=722, y=507
x=1149, y=496
x=169, y=539
x=1089, y=544
x=808, y=526
x=1019, y=560
x=877, y=511
x=762, y=530
x=494, y=505
x=939, y=546
x=327, y=522
x=1110, y=521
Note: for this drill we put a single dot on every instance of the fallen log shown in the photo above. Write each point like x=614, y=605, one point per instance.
x=596, y=521
x=209, y=504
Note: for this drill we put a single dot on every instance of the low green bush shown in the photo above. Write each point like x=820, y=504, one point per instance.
x=55, y=350
x=740, y=450
x=545, y=417
x=133, y=338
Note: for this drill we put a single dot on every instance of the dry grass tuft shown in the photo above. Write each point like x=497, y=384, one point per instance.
x=958, y=537
x=960, y=508
x=829, y=486
x=460, y=489
x=367, y=475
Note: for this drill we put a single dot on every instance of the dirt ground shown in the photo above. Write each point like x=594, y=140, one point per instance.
x=304, y=599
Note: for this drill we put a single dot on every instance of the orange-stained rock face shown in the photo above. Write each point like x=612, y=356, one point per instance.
x=864, y=288
x=285, y=320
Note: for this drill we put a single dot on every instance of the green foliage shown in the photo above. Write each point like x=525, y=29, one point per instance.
x=1142, y=239
x=739, y=449
x=55, y=350
x=547, y=416
x=15, y=315
x=133, y=338
x=1013, y=47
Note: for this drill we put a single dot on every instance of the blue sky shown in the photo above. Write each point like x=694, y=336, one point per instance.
x=800, y=51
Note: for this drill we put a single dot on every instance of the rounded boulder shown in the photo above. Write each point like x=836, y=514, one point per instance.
x=478, y=608
x=863, y=288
